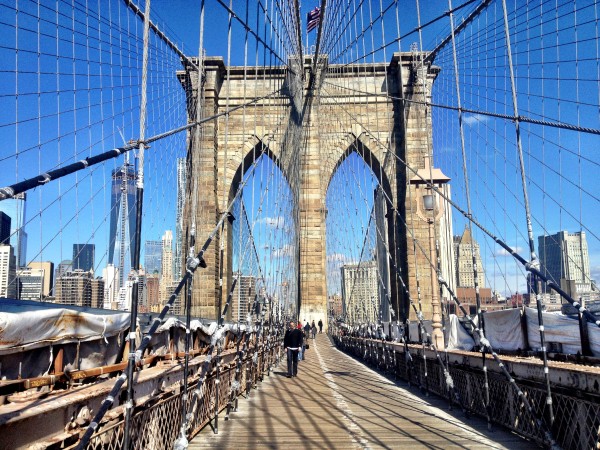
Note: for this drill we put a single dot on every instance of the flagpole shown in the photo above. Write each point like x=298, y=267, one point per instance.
x=307, y=47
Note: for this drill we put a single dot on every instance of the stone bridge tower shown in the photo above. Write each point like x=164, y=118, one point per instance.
x=347, y=111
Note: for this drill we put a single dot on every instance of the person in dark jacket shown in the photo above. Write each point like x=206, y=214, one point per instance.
x=306, y=336
x=292, y=342
x=302, y=349
x=307, y=329
x=320, y=326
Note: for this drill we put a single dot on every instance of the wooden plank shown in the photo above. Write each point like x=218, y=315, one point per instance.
x=337, y=402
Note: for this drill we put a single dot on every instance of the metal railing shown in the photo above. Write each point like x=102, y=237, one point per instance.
x=577, y=420
x=156, y=424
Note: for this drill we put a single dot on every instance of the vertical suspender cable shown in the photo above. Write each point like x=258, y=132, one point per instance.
x=405, y=310
x=469, y=211
x=422, y=331
x=534, y=263
x=132, y=360
x=222, y=230
x=318, y=44
x=181, y=443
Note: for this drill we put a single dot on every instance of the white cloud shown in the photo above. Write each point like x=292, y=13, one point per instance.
x=472, y=119
x=274, y=222
x=503, y=252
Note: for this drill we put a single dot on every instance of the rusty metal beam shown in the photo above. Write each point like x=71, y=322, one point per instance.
x=8, y=387
x=46, y=418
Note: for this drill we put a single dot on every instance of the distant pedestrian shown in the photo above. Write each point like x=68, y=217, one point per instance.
x=320, y=326
x=292, y=342
x=306, y=330
x=313, y=329
x=301, y=353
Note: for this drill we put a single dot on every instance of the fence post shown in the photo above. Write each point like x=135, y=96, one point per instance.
x=586, y=349
x=524, y=328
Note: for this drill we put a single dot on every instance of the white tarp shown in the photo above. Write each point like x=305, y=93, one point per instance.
x=195, y=324
x=457, y=337
x=557, y=327
x=503, y=329
x=26, y=325
x=594, y=336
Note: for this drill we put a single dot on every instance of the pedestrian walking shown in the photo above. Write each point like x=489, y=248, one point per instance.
x=307, y=329
x=313, y=329
x=292, y=343
x=302, y=350
x=320, y=326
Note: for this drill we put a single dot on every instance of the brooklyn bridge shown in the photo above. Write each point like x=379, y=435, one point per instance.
x=412, y=183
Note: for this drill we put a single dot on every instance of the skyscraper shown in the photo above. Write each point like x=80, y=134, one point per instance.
x=97, y=292
x=15, y=209
x=152, y=291
x=142, y=292
x=83, y=257
x=126, y=292
x=246, y=292
x=181, y=187
x=48, y=268
x=79, y=288
x=122, y=220
x=360, y=296
x=4, y=228
x=463, y=247
x=30, y=283
x=110, y=275
x=153, y=257
x=565, y=260
x=166, y=276
x=167, y=255
x=66, y=265
x=8, y=282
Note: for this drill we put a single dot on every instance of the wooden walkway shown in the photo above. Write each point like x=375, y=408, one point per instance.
x=337, y=402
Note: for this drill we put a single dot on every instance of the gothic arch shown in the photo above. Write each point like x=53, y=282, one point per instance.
x=257, y=145
x=369, y=149
x=374, y=154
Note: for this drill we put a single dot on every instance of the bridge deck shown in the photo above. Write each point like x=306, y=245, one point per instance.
x=337, y=402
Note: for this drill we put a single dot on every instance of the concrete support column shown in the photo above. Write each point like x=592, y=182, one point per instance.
x=419, y=144
x=311, y=204
x=203, y=172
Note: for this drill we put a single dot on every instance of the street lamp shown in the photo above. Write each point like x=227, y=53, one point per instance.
x=429, y=201
x=430, y=210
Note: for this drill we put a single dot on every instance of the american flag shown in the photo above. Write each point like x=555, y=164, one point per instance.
x=313, y=18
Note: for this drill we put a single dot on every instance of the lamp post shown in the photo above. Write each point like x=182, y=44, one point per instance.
x=430, y=210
